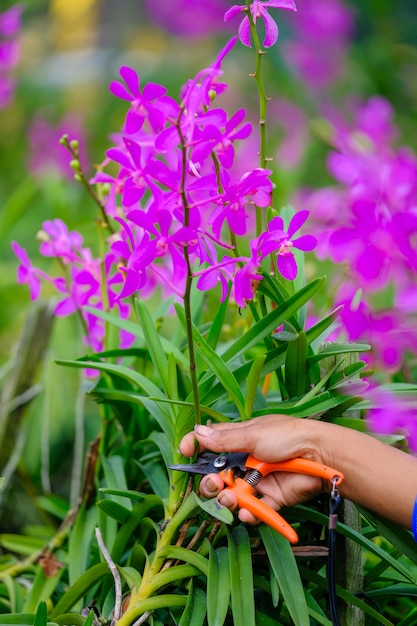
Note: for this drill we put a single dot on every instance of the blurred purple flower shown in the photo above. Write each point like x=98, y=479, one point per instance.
x=26, y=273
x=322, y=35
x=9, y=52
x=187, y=18
x=10, y=21
x=259, y=9
x=392, y=414
x=46, y=155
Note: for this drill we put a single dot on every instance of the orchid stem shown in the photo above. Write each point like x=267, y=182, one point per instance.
x=263, y=160
x=189, y=282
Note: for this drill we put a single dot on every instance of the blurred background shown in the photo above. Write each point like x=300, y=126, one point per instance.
x=64, y=55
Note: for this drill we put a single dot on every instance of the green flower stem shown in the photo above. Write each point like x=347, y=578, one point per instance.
x=153, y=578
x=72, y=147
x=263, y=159
x=189, y=282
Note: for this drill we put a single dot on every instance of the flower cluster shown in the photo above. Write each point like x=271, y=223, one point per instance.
x=9, y=52
x=368, y=222
x=319, y=50
x=85, y=281
x=174, y=204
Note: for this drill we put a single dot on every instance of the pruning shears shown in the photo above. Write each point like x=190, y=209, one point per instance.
x=241, y=472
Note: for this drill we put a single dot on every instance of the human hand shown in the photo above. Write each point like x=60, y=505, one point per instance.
x=270, y=438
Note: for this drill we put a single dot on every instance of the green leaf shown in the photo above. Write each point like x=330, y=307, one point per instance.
x=216, y=326
x=136, y=515
x=188, y=556
x=124, y=493
x=21, y=543
x=154, y=345
x=241, y=577
x=41, y=590
x=72, y=619
x=337, y=349
x=400, y=538
x=282, y=560
x=218, y=586
x=306, y=513
x=217, y=365
x=97, y=573
x=215, y=509
x=114, y=510
x=41, y=617
x=296, y=369
x=266, y=326
x=252, y=383
x=17, y=618
x=137, y=331
x=195, y=610
x=157, y=477
x=114, y=475
x=175, y=574
x=164, y=419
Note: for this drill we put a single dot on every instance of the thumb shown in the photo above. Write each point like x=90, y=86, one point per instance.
x=225, y=437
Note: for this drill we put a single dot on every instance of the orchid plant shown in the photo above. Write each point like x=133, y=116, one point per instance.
x=194, y=310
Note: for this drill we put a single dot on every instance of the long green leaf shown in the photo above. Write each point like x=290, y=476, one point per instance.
x=337, y=349
x=217, y=365
x=188, y=556
x=85, y=583
x=137, y=331
x=139, y=511
x=252, y=383
x=154, y=345
x=350, y=598
x=282, y=560
x=166, y=421
x=296, y=368
x=195, y=609
x=41, y=617
x=218, y=586
x=308, y=514
x=272, y=320
x=114, y=475
x=241, y=577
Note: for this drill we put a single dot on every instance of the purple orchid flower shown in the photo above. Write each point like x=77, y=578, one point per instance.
x=258, y=10
x=27, y=274
x=218, y=134
x=278, y=240
x=150, y=104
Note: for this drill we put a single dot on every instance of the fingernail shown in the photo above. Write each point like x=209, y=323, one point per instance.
x=204, y=431
x=210, y=486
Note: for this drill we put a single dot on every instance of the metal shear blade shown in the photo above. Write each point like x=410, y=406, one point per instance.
x=214, y=463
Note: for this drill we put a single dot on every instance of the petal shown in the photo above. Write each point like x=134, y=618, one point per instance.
x=297, y=221
x=305, y=243
x=119, y=90
x=134, y=122
x=20, y=253
x=271, y=30
x=287, y=266
x=281, y=4
x=151, y=91
x=244, y=32
x=131, y=79
x=234, y=10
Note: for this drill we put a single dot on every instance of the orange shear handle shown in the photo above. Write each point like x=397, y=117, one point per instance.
x=247, y=500
x=297, y=466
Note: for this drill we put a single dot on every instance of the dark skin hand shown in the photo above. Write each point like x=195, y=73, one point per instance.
x=377, y=476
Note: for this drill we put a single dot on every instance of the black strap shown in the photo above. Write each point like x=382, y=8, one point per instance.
x=331, y=561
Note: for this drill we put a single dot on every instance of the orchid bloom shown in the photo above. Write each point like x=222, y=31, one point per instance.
x=259, y=9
